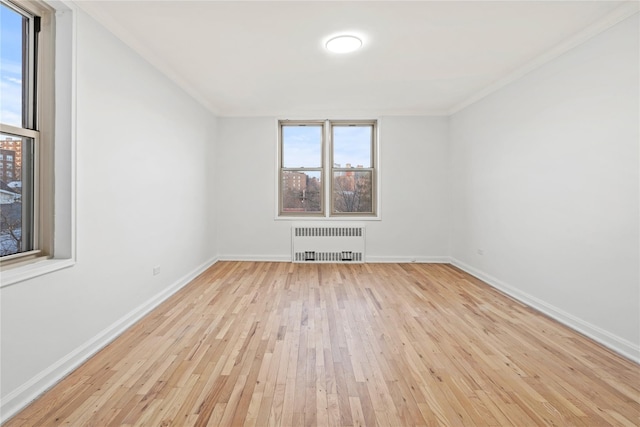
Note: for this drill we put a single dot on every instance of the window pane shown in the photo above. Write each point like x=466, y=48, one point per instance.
x=352, y=146
x=12, y=69
x=301, y=191
x=301, y=146
x=16, y=194
x=353, y=191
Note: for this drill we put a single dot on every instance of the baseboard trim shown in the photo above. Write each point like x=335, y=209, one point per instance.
x=370, y=259
x=19, y=398
x=613, y=342
x=408, y=259
x=256, y=258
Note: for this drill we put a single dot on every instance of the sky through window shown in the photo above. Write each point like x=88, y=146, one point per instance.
x=10, y=66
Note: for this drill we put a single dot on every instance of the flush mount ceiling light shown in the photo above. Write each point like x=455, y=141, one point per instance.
x=344, y=44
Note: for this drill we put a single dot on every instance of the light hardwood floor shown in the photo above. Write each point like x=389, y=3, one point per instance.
x=371, y=344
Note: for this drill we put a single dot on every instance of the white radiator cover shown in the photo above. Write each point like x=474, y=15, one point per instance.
x=328, y=243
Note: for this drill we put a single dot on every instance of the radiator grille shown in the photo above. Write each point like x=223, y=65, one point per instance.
x=328, y=231
x=342, y=256
x=342, y=244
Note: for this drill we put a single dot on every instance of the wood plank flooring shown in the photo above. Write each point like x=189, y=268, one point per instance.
x=260, y=344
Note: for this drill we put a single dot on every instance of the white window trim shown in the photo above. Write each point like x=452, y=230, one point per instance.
x=64, y=203
x=327, y=188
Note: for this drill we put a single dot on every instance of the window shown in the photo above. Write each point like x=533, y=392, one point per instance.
x=305, y=150
x=25, y=129
x=301, y=168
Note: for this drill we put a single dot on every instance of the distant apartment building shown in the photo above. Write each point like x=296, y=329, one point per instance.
x=294, y=180
x=14, y=145
x=8, y=169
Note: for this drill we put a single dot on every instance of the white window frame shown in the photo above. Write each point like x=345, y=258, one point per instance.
x=372, y=168
x=38, y=95
x=282, y=170
x=56, y=166
x=327, y=173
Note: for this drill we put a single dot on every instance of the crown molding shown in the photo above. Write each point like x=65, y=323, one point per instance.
x=352, y=113
x=625, y=10
x=622, y=12
x=140, y=48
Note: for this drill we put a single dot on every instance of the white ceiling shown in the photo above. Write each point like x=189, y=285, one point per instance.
x=243, y=58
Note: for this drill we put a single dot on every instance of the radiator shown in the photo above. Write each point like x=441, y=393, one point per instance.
x=328, y=244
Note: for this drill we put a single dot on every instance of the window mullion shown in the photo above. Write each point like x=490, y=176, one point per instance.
x=31, y=63
x=328, y=190
x=30, y=193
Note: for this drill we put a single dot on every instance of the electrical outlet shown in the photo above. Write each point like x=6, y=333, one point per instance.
x=156, y=270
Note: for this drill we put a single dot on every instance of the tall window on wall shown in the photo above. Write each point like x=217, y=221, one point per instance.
x=342, y=153
x=25, y=129
x=302, y=168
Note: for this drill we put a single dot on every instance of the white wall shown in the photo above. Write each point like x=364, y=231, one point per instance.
x=542, y=176
x=414, y=163
x=144, y=169
x=545, y=182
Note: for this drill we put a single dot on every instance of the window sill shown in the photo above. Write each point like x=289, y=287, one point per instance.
x=29, y=271
x=328, y=218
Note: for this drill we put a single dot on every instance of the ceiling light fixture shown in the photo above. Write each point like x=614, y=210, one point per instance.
x=344, y=44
